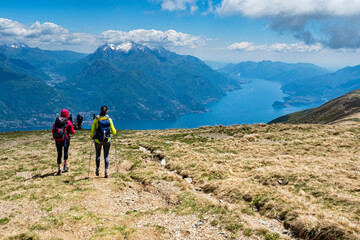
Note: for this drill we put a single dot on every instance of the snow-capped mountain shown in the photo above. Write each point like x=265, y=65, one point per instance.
x=124, y=47
x=44, y=59
x=14, y=45
x=147, y=83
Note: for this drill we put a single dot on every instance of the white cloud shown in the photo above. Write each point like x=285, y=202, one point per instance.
x=337, y=21
x=299, y=47
x=178, y=5
x=42, y=33
x=170, y=38
x=203, y=7
x=11, y=28
x=270, y=8
x=290, y=8
x=334, y=23
x=51, y=33
x=245, y=46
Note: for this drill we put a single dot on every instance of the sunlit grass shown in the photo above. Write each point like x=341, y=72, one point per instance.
x=307, y=176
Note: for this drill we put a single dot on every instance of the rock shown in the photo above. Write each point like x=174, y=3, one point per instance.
x=262, y=222
x=163, y=162
x=198, y=224
x=223, y=234
x=189, y=180
x=143, y=149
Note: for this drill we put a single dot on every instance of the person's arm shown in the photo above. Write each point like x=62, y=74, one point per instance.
x=70, y=128
x=93, y=128
x=113, y=130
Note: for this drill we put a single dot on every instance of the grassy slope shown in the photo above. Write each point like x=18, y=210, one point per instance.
x=331, y=111
x=306, y=176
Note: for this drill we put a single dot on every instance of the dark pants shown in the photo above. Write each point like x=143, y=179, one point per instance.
x=59, y=147
x=106, y=147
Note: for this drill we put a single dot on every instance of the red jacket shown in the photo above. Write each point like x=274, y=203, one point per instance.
x=70, y=127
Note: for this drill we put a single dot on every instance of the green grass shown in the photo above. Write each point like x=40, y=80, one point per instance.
x=25, y=236
x=4, y=221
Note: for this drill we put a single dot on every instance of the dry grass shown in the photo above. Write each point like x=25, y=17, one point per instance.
x=305, y=176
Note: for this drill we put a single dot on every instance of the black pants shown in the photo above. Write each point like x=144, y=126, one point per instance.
x=106, y=147
x=59, y=147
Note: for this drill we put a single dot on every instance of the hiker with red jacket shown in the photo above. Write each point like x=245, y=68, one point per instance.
x=61, y=132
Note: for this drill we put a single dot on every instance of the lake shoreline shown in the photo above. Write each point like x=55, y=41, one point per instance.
x=253, y=103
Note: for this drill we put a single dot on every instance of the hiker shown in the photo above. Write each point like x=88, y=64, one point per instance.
x=71, y=119
x=100, y=132
x=61, y=130
x=79, y=120
x=75, y=124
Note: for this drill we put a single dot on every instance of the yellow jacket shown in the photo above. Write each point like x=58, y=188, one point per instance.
x=95, y=126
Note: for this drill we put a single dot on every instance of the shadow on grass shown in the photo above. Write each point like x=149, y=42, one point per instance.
x=52, y=174
x=77, y=180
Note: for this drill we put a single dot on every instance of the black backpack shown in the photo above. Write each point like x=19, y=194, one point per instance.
x=60, y=128
x=103, y=131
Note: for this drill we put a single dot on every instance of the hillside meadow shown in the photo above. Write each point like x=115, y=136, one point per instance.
x=258, y=181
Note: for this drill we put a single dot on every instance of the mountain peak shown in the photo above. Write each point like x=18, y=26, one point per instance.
x=123, y=47
x=15, y=45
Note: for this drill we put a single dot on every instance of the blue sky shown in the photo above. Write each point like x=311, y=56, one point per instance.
x=324, y=32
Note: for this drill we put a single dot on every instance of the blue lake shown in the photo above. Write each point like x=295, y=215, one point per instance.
x=251, y=104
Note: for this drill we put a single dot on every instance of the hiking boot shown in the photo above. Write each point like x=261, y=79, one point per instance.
x=66, y=167
x=106, y=175
x=59, y=172
x=97, y=172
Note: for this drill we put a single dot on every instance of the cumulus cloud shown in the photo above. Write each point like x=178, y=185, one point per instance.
x=42, y=33
x=290, y=8
x=203, y=6
x=51, y=33
x=337, y=20
x=11, y=28
x=299, y=47
x=154, y=37
x=334, y=23
x=179, y=5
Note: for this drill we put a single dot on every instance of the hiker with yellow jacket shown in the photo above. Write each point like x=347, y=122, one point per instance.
x=100, y=132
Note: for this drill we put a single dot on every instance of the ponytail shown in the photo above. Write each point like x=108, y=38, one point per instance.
x=103, y=110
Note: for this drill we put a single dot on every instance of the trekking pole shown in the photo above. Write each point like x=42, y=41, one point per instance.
x=90, y=158
x=116, y=159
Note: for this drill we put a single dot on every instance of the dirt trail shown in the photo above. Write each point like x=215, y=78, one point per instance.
x=139, y=199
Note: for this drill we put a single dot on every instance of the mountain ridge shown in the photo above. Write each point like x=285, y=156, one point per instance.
x=333, y=110
x=182, y=80
x=140, y=83
x=304, y=84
